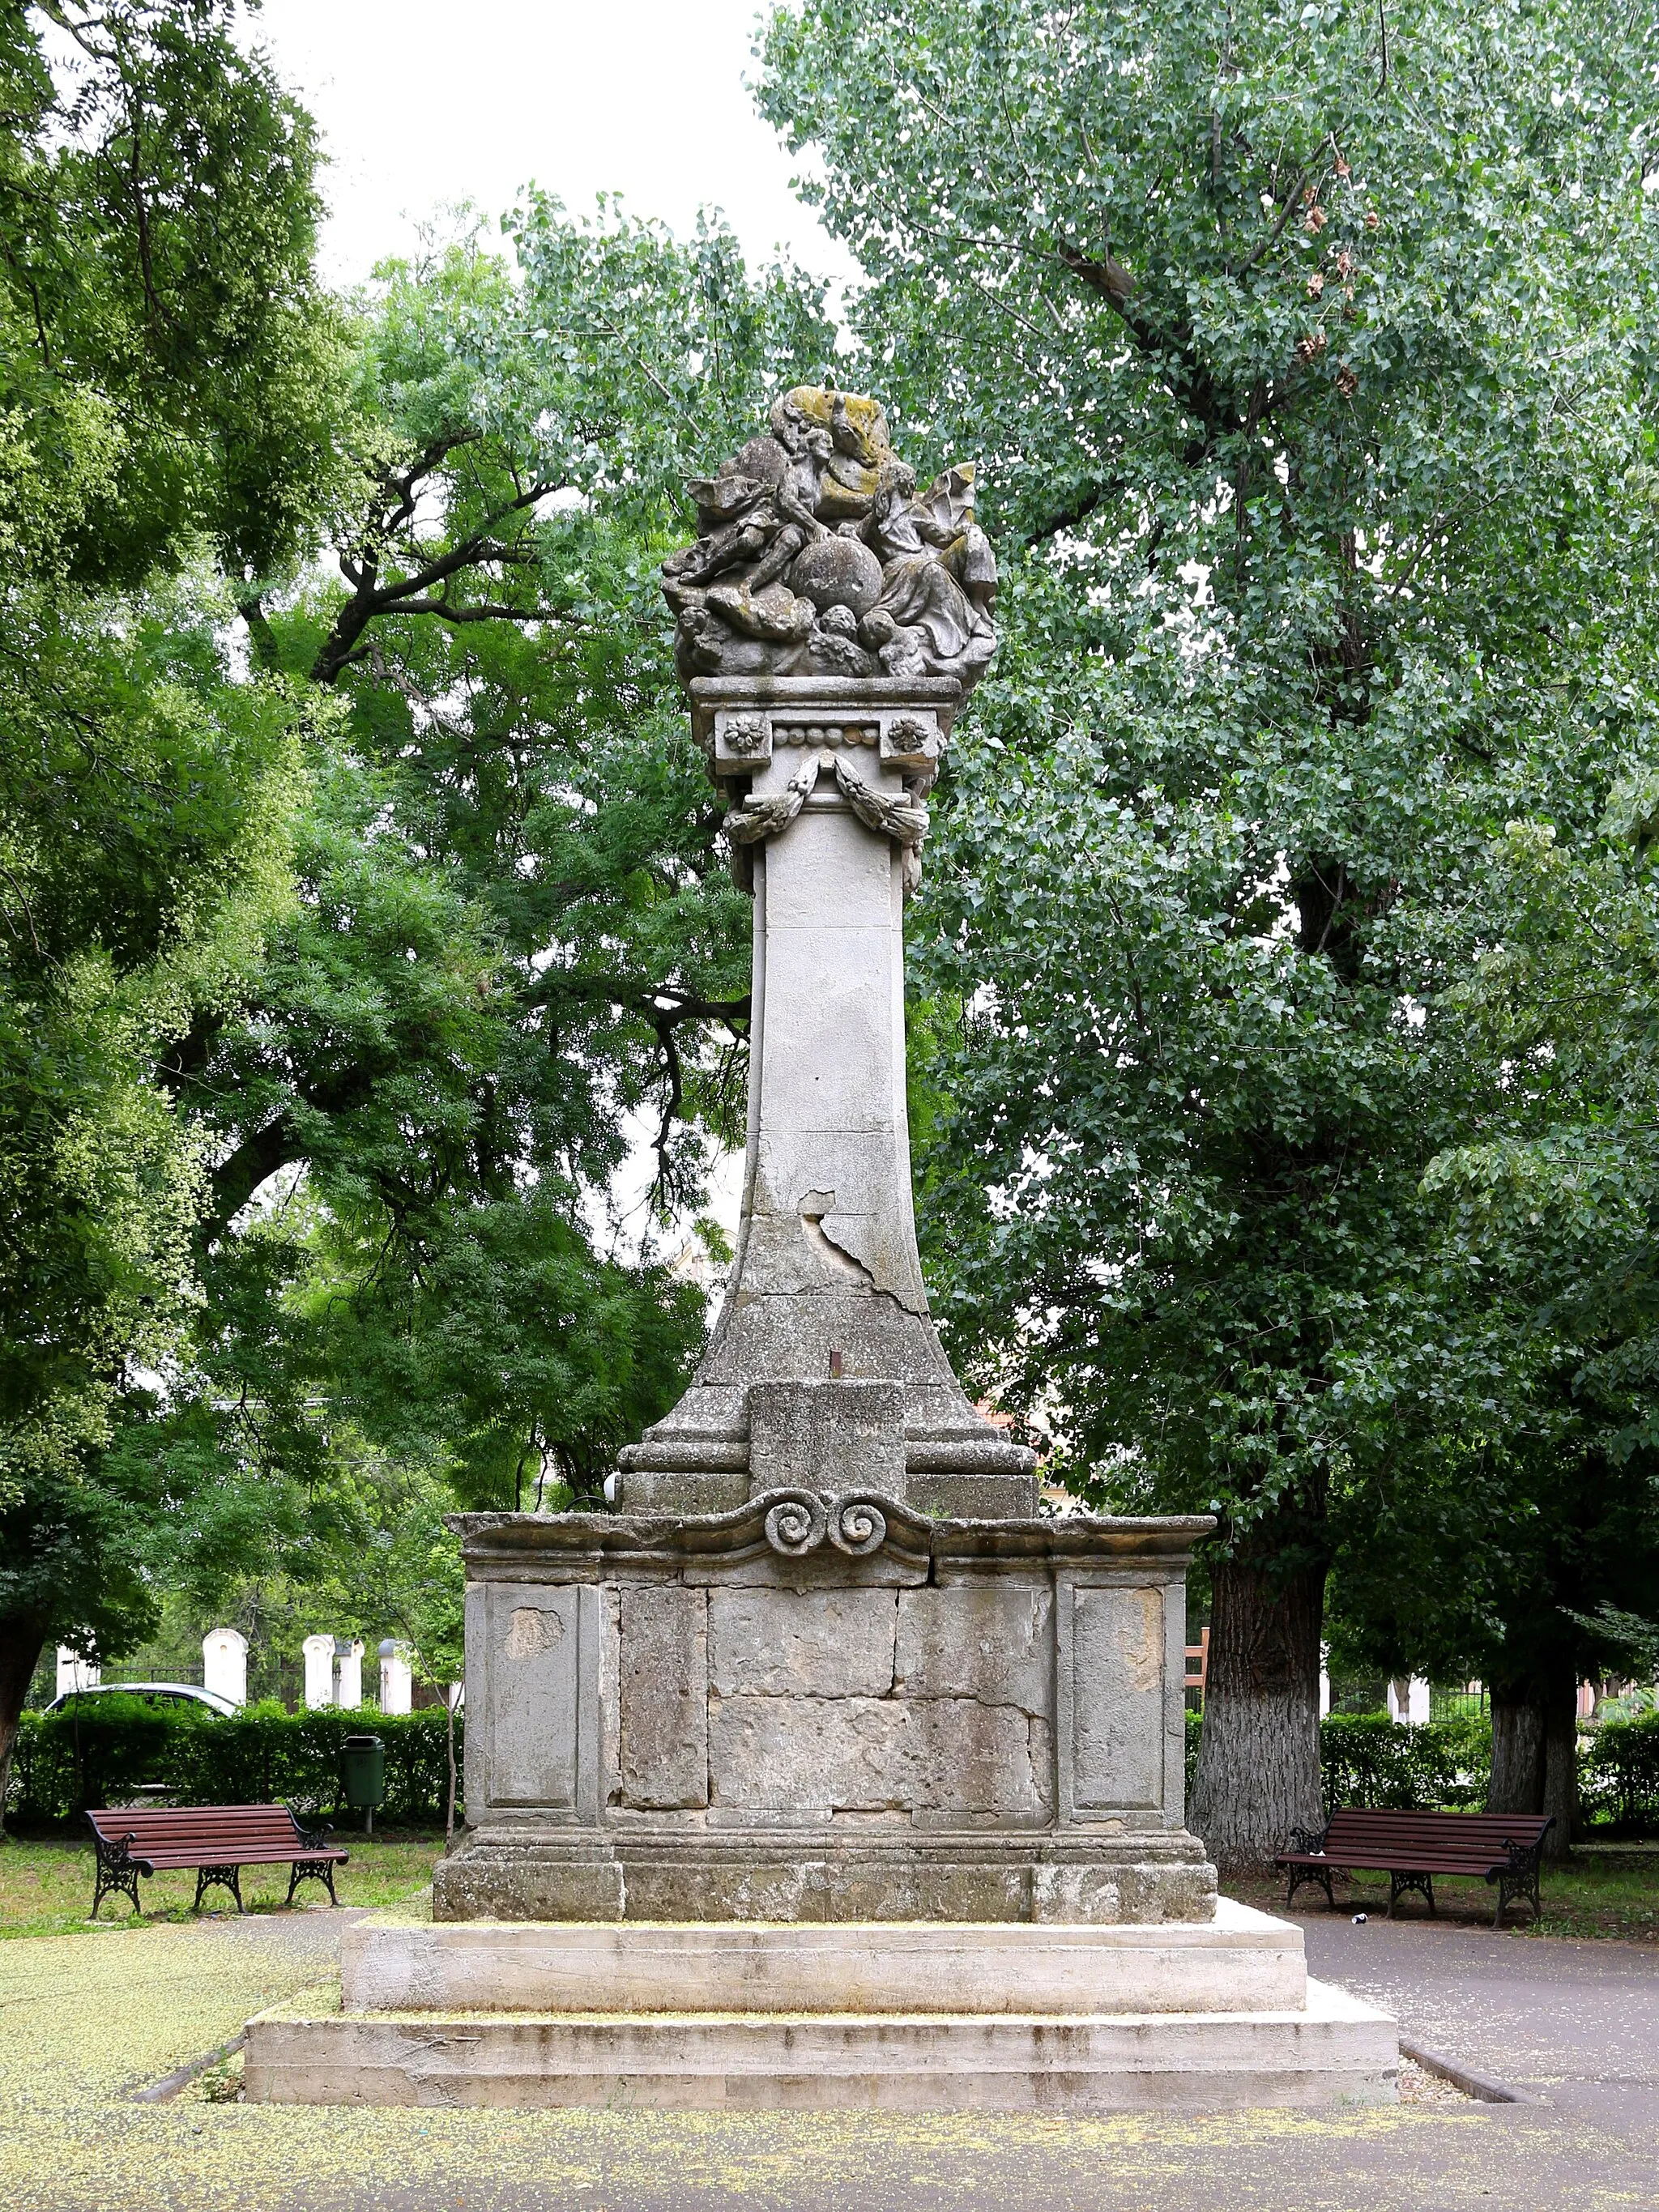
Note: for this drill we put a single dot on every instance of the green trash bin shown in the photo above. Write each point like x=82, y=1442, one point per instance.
x=363, y=1769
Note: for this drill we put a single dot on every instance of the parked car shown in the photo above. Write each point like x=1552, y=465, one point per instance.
x=159, y=1694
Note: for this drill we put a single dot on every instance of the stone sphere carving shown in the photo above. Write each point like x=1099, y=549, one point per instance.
x=837, y=571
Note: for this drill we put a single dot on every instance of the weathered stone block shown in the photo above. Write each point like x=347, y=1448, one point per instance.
x=664, y=1690
x=974, y=1765
x=533, y=1680
x=978, y=1640
x=827, y=1436
x=804, y=1643
x=855, y=1753
x=952, y=1758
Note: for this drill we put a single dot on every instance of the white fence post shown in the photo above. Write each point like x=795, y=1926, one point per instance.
x=319, y=1672
x=224, y=1663
x=350, y=1652
x=75, y=1672
x=1408, y=1700
x=397, y=1681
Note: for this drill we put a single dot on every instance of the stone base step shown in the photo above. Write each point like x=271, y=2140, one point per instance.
x=1242, y=1961
x=1333, y=2050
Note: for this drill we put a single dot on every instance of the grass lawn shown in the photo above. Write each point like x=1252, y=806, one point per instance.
x=1599, y=1892
x=45, y=1887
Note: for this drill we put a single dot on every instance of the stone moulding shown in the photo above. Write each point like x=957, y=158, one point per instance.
x=538, y=1546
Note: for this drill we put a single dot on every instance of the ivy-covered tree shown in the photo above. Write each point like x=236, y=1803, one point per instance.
x=1308, y=350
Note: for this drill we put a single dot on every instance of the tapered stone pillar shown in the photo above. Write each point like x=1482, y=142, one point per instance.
x=824, y=1368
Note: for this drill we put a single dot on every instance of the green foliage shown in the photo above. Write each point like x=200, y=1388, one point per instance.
x=1314, y=398
x=1367, y=1759
x=167, y=383
x=346, y=983
x=1618, y=1775
x=514, y=952
x=169, y=364
x=64, y=1762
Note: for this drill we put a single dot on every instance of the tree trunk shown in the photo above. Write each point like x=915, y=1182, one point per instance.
x=1258, y=1757
x=1517, y=1749
x=21, y=1638
x=1559, y=1794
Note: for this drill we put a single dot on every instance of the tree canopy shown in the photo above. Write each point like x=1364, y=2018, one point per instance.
x=1311, y=364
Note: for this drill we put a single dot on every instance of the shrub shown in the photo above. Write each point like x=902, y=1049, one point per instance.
x=116, y=1747
x=1368, y=1760
x=1619, y=1774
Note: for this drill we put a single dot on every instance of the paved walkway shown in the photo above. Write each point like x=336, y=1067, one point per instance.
x=85, y=2020
x=1575, y=2025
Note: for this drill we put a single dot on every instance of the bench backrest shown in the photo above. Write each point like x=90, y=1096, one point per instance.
x=195, y=1827
x=1480, y=1835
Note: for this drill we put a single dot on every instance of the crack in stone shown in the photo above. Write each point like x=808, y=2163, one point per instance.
x=814, y=1205
x=817, y=1209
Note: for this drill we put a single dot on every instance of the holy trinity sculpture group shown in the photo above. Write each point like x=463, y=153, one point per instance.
x=816, y=556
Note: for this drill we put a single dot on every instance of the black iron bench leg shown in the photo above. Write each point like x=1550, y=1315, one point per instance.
x=1301, y=1875
x=224, y=1877
x=1522, y=1880
x=311, y=1870
x=116, y=1875
x=1401, y=1885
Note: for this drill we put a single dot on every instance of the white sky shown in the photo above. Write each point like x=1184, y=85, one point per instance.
x=424, y=103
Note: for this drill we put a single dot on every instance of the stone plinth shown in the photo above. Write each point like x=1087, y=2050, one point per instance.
x=1189, y=2019
x=1242, y=1961
x=837, y=1709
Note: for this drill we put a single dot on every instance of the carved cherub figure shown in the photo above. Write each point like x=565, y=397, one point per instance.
x=938, y=577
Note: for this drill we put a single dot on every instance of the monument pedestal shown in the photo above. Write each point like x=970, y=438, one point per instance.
x=825, y=1708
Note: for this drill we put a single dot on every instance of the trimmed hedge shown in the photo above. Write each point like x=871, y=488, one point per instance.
x=1618, y=1775
x=265, y=1755
x=1368, y=1760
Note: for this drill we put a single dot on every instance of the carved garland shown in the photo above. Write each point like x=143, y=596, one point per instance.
x=903, y=820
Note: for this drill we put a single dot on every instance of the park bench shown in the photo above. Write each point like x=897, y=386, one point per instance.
x=1412, y=1848
x=217, y=1841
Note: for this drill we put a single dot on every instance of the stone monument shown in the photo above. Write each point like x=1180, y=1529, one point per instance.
x=828, y=1769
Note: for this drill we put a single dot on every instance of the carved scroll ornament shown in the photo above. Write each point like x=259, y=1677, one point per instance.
x=904, y=820
x=799, y=1521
